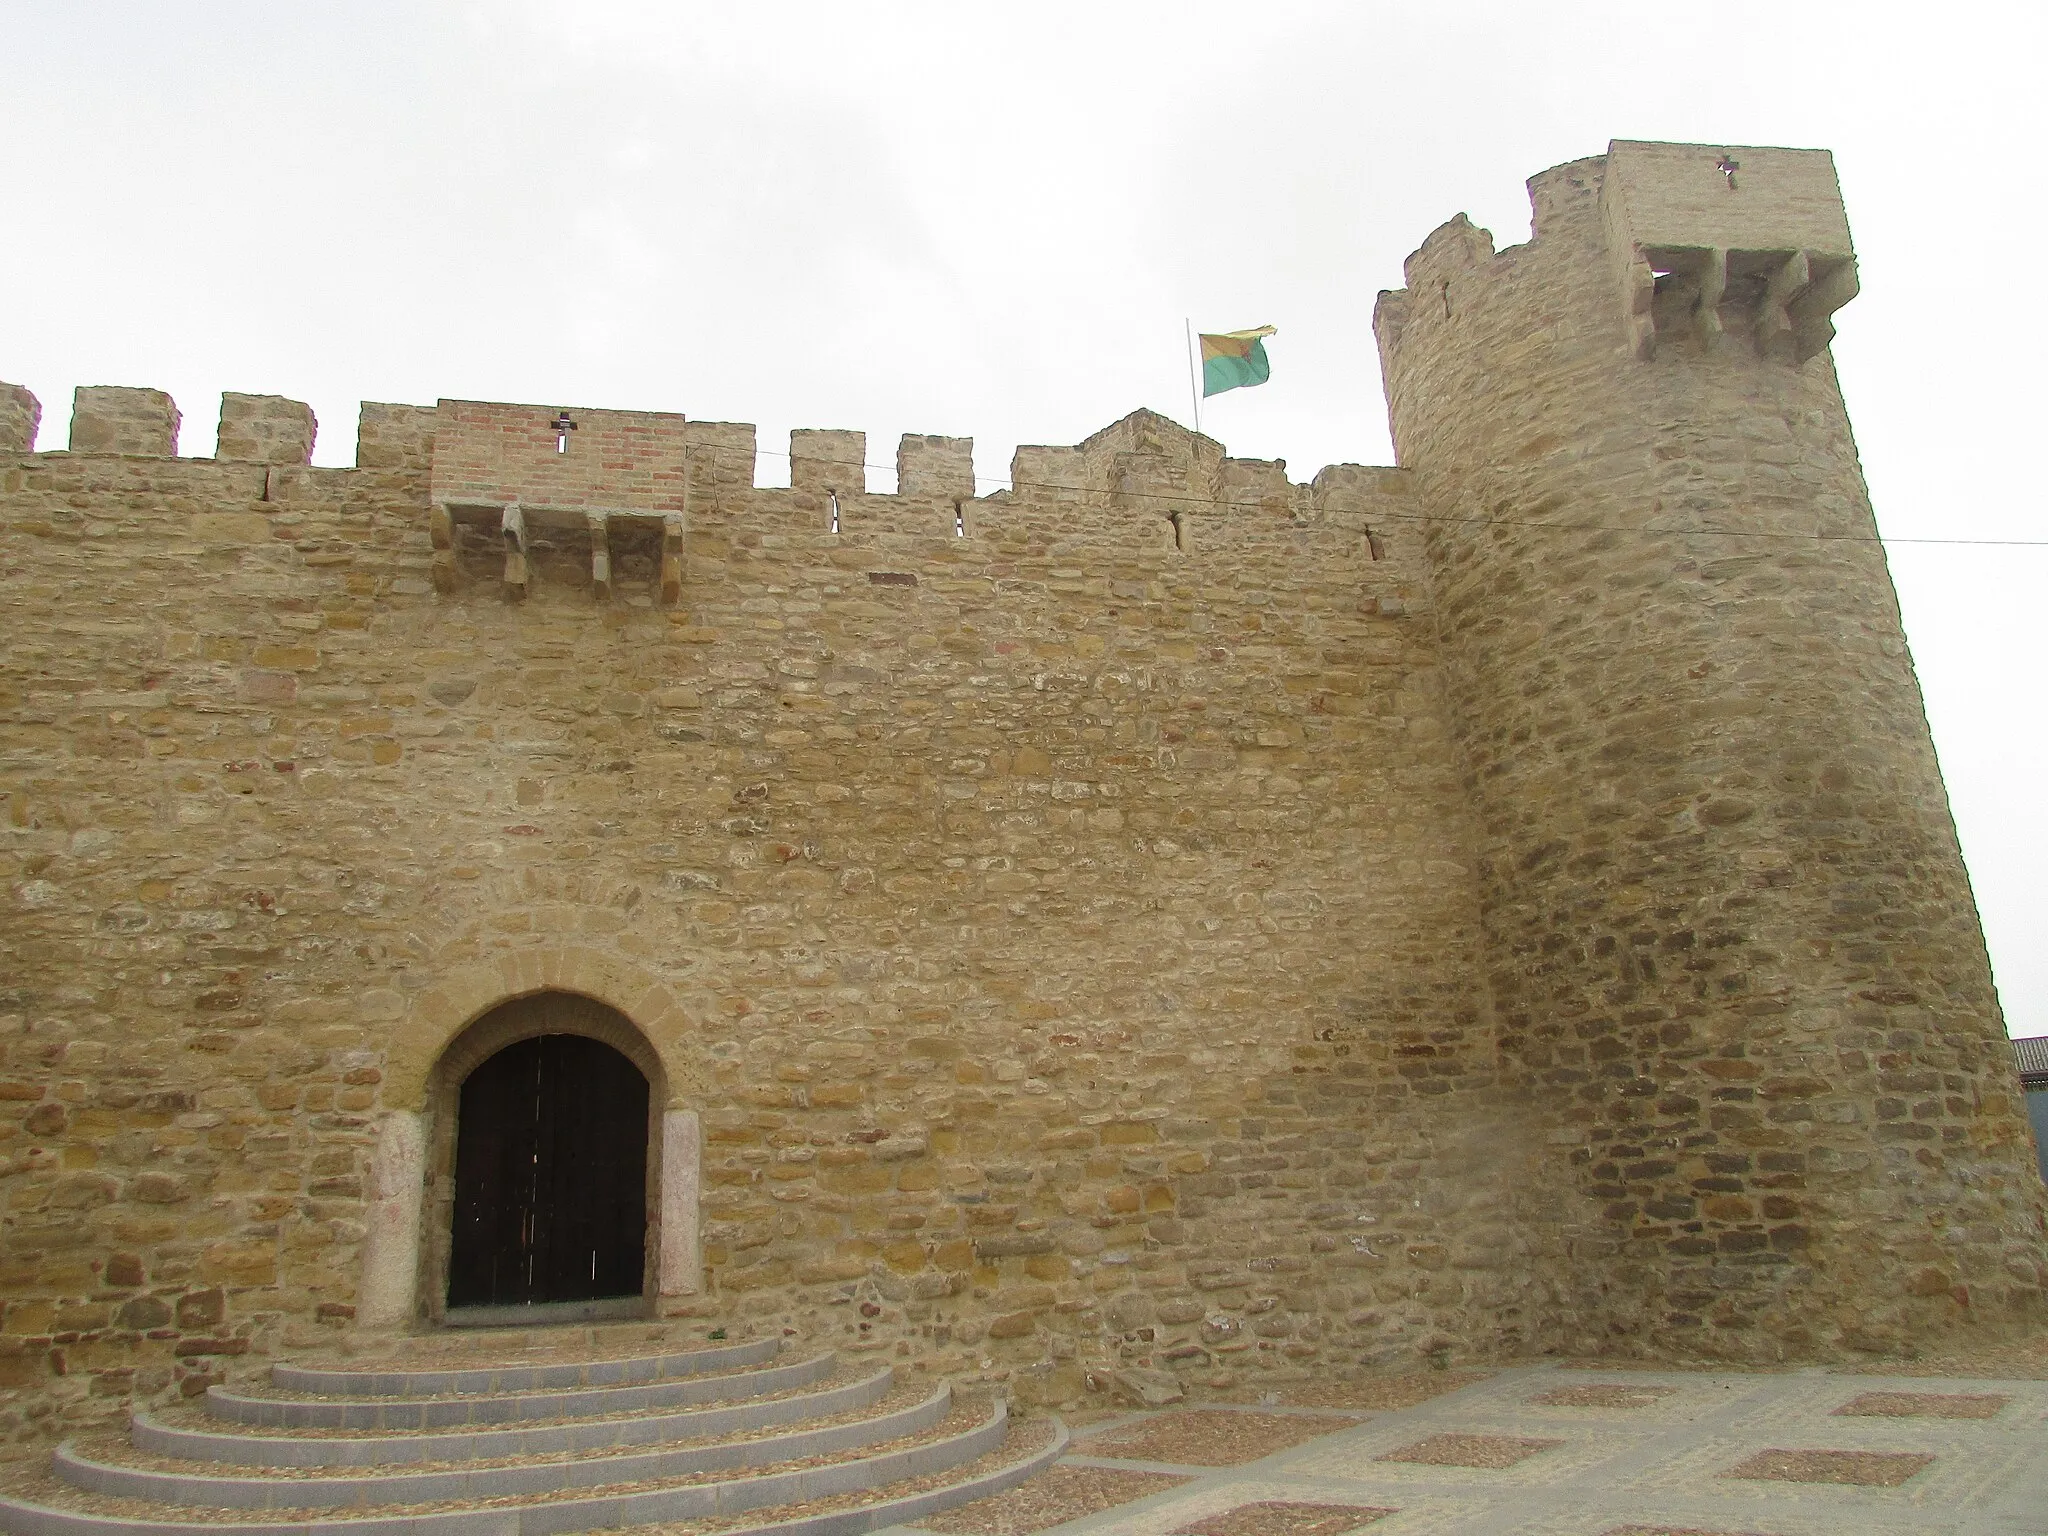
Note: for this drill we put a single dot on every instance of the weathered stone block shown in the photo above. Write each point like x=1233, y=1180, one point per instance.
x=265, y=429
x=828, y=461
x=941, y=468
x=395, y=436
x=111, y=419
x=21, y=414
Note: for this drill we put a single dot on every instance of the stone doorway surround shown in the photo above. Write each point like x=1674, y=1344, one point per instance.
x=447, y=1029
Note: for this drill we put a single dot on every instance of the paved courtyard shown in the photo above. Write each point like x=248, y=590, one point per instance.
x=1574, y=1452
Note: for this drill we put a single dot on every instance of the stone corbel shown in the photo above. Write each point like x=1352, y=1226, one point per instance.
x=1799, y=300
x=671, y=559
x=441, y=529
x=1774, y=318
x=1639, y=303
x=513, y=527
x=600, y=556
x=1713, y=288
x=1834, y=283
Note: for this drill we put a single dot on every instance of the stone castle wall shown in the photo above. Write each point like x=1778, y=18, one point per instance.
x=1157, y=915
x=1068, y=932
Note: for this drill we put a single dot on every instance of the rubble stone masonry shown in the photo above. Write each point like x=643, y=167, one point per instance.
x=1155, y=916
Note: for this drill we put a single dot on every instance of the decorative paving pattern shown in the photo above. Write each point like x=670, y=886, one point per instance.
x=1603, y=1395
x=1361, y=1458
x=1868, y=1469
x=1212, y=1437
x=1542, y=1451
x=1057, y=1495
x=1280, y=1518
x=1416, y=1511
x=1490, y=1452
x=1974, y=1463
x=1930, y=1405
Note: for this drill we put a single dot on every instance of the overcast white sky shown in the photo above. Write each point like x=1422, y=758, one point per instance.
x=990, y=221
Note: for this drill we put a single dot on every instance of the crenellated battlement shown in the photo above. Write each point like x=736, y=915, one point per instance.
x=597, y=497
x=1737, y=251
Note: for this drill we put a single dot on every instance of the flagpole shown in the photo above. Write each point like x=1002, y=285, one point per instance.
x=1194, y=389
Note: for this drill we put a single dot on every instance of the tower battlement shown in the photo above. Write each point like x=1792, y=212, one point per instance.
x=1745, y=246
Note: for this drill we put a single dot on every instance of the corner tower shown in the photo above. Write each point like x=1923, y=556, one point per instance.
x=1738, y=970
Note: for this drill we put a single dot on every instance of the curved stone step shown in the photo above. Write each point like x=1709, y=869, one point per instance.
x=905, y=1509
x=358, y=1382
x=696, y=1501
x=574, y=1403
x=528, y=1479
x=257, y=1450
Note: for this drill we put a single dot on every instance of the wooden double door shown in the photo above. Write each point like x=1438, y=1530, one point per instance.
x=550, y=1176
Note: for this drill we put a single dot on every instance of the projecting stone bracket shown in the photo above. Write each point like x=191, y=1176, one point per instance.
x=1778, y=304
x=600, y=556
x=441, y=531
x=1727, y=250
x=512, y=528
x=671, y=559
x=630, y=543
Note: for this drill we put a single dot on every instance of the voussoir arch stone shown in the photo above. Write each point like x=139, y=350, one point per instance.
x=439, y=1015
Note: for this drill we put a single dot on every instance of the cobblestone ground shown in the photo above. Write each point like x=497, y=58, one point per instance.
x=1574, y=1452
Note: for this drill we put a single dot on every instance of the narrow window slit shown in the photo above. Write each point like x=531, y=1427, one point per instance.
x=1179, y=532
x=959, y=521
x=1374, y=546
x=832, y=499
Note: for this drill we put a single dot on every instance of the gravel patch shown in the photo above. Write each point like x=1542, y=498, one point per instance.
x=1868, y=1469
x=1278, y=1518
x=1491, y=1452
x=1057, y=1495
x=1926, y=1405
x=1602, y=1395
x=1212, y=1437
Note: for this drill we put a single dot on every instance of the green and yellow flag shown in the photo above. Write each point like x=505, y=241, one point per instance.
x=1235, y=360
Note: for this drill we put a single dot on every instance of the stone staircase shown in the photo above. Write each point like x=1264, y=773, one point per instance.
x=728, y=1438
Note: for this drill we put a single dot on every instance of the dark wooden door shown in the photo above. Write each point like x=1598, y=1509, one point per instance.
x=550, y=1176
